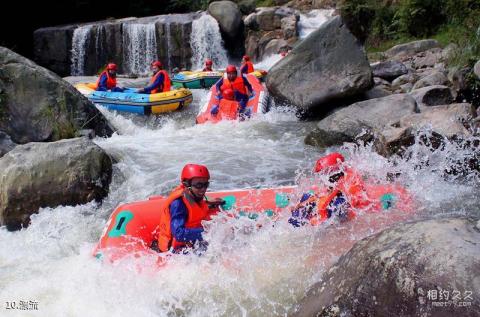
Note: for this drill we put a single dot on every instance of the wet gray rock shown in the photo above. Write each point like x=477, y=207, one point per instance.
x=398, y=271
x=428, y=59
x=345, y=124
x=6, y=144
x=432, y=96
x=37, y=106
x=412, y=48
x=410, y=78
x=388, y=70
x=36, y=175
x=435, y=78
x=228, y=16
x=289, y=26
x=330, y=64
x=476, y=69
x=445, y=122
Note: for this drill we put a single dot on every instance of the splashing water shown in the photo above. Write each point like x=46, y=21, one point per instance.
x=80, y=41
x=206, y=42
x=312, y=20
x=268, y=62
x=139, y=47
x=247, y=270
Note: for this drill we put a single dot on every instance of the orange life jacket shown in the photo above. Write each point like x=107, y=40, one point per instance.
x=111, y=81
x=228, y=109
x=166, y=81
x=197, y=212
x=236, y=85
x=249, y=67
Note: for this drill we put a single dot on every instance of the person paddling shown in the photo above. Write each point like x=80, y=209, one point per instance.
x=247, y=66
x=108, y=79
x=160, y=81
x=208, y=65
x=182, y=213
x=241, y=88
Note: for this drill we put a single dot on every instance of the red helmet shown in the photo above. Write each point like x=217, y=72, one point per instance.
x=157, y=63
x=112, y=66
x=330, y=161
x=228, y=94
x=208, y=62
x=231, y=69
x=246, y=57
x=190, y=171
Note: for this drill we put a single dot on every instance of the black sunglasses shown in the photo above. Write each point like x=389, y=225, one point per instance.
x=200, y=185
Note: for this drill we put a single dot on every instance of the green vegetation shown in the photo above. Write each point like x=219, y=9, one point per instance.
x=265, y=3
x=382, y=24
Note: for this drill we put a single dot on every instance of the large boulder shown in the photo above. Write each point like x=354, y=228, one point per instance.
x=435, y=78
x=432, y=96
x=228, y=16
x=448, y=121
x=476, y=69
x=347, y=123
x=412, y=48
x=37, y=105
x=389, y=70
x=35, y=175
x=330, y=64
x=422, y=268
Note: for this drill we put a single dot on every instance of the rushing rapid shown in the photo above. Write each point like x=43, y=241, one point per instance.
x=247, y=270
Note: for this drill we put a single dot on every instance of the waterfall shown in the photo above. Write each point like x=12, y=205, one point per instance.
x=168, y=35
x=312, y=20
x=206, y=42
x=139, y=47
x=80, y=42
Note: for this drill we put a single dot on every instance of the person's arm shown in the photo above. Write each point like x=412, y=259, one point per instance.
x=178, y=216
x=247, y=84
x=158, y=83
x=218, y=85
x=244, y=69
x=102, y=85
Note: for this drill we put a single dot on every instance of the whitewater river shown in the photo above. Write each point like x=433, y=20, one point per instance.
x=247, y=271
x=259, y=272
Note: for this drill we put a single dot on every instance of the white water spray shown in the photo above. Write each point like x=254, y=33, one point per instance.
x=139, y=47
x=206, y=42
x=312, y=20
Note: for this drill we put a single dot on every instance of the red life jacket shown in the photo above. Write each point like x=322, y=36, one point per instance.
x=236, y=85
x=111, y=81
x=228, y=109
x=249, y=67
x=197, y=212
x=207, y=69
x=166, y=81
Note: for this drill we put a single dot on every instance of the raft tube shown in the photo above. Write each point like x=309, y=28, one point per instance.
x=131, y=101
x=132, y=228
x=196, y=79
x=257, y=102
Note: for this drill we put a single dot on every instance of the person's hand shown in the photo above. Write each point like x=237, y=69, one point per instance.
x=216, y=202
x=214, y=110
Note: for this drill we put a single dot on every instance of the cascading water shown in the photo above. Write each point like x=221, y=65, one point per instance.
x=206, y=42
x=312, y=20
x=168, y=35
x=247, y=270
x=80, y=41
x=139, y=47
